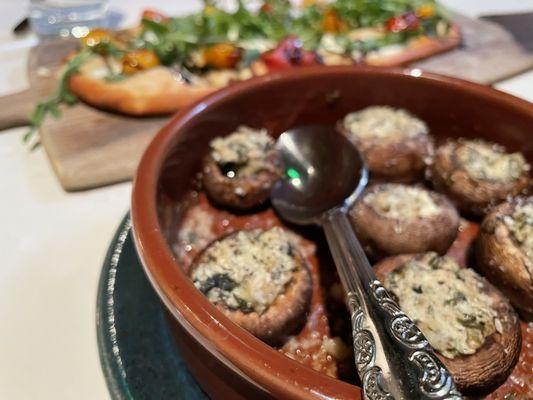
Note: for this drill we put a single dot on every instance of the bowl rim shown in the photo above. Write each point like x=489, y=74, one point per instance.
x=238, y=349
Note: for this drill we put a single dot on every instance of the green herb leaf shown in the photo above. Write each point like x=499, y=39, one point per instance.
x=62, y=95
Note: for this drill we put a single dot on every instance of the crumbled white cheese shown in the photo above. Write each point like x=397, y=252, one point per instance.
x=442, y=28
x=244, y=152
x=257, y=44
x=197, y=58
x=389, y=50
x=150, y=36
x=488, y=161
x=445, y=302
x=402, y=202
x=332, y=43
x=520, y=224
x=365, y=34
x=248, y=270
x=223, y=77
x=329, y=58
x=99, y=67
x=382, y=123
x=333, y=50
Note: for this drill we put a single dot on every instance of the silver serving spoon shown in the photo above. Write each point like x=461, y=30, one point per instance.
x=324, y=174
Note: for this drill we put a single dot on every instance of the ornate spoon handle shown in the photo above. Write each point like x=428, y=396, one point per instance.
x=393, y=358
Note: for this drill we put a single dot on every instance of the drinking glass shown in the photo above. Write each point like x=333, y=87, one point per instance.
x=66, y=18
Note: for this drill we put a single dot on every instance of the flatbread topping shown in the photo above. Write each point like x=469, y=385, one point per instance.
x=218, y=45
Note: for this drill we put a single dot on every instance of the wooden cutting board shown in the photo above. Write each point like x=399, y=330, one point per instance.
x=487, y=54
x=90, y=148
x=86, y=147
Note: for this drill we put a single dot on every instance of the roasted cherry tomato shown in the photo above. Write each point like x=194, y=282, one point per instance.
x=270, y=6
x=289, y=53
x=331, y=22
x=425, y=11
x=138, y=60
x=266, y=8
x=405, y=22
x=96, y=37
x=154, y=15
x=222, y=56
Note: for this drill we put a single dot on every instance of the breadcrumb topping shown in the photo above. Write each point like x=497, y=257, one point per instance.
x=243, y=153
x=520, y=225
x=446, y=303
x=398, y=201
x=382, y=122
x=489, y=161
x=248, y=270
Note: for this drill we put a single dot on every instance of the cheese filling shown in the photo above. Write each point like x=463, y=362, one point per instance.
x=224, y=77
x=243, y=153
x=383, y=123
x=446, y=303
x=488, y=161
x=100, y=68
x=246, y=271
x=520, y=225
x=402, y=202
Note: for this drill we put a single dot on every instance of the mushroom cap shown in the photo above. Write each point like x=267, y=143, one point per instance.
x=402, y=160
x=491, y=364
x=284, y=315
x=381, y=234
x=502, y=261
x=240, y=192
x=470, y=195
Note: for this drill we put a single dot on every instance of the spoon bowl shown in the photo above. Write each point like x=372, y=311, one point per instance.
x=323, y=170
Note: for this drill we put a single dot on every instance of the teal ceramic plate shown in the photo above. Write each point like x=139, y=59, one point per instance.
x=138, y=355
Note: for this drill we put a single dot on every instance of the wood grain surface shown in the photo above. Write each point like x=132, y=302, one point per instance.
x=87, y=147
x=488, y=54
x=90, y=148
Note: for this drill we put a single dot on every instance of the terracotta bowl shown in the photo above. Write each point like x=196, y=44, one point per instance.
x=228, y=361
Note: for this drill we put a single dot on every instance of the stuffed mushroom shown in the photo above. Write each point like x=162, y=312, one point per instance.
x=392, y=218
x=395, y=144
x=477, y=174
x=241, y=168
x=504, y=251
x=470, y=324
x=258, y=279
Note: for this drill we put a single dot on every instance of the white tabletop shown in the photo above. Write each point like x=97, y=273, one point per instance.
x=53, y=243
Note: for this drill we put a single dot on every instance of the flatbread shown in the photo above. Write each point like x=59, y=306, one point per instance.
x=160, y=91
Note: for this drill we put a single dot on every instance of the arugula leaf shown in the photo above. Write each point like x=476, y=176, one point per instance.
x=62, y=95
x=308, y=26
x=174, y=41
x=158, y=27
x=368, y=13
